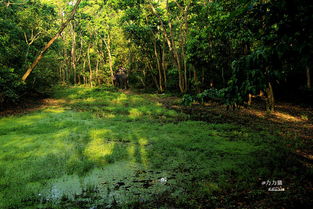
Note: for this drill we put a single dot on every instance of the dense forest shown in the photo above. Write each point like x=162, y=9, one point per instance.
x=156, y=103
x=239, y=48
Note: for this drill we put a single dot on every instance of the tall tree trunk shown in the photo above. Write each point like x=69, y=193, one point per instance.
x=202, y=76
x=308, y=78
x=164, y=65
x=63, y=74
x=158, y=65
x=153, y=77
x=66, y=66
x=181, y=82
x=83, y=71
x=60, y=73
x=79, y=79
x=89, y=66
x=171, y=44
x=249, y=99
x=42, y=53
x=270, y=102
x=184, y=28
x=73, y=53
x=97, y=73
x=196, y=80
x=108, y=47
x=223, y=77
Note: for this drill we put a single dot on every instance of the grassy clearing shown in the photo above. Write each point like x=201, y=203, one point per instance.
x=103, y=148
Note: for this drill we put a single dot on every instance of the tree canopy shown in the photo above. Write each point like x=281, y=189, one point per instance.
x=238, y=47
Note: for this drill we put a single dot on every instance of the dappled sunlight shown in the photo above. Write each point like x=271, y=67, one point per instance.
x=287, y=117
x=158, y=104
x=131, y=149
x=134, y=113
x=257, y=113
x=99, y=148
x=278, y=116
x=120, y=151
x=99, y=133
x=106, y=104
x=105, y=115
x=120, y=99
x=143, y=153
x=90, y=100
x=137, y=151
x=54, y=110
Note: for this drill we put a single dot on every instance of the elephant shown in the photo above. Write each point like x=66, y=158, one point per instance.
x=121, y=78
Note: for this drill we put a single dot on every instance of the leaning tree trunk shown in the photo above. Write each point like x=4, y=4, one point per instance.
x=44, y=50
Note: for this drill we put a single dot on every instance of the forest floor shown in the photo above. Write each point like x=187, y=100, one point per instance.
x=98, y=148
x=293, y=122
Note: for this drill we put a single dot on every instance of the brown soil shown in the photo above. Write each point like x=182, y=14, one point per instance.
x=30, y=106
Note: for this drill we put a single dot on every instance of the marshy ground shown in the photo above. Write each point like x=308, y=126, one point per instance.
x=100, y=148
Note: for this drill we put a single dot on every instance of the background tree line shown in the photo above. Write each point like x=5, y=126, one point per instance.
x=239, y=48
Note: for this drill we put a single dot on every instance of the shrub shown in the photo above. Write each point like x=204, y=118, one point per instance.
x=187, y=100
x=10, y=86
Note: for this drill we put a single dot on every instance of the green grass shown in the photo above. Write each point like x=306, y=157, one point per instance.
x=105, y=148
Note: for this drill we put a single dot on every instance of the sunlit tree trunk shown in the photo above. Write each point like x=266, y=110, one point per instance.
x=270, y=102
x=108, y=47
x=73, y=53
x=66, y=66
x=249, y=99
x=83, y=72
x=89, y=65
x=97, y=73
x=47, y=46
x=164, y=65
x=184, y=29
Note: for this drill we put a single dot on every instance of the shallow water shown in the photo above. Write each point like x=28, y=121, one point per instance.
x=119, y=183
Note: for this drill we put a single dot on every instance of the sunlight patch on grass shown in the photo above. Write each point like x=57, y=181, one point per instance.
x=54, y=110
x=131, y=149
x=90, y=100
x=98, y=149
x=143, y=152
x=120, y=99
x=134, y=113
